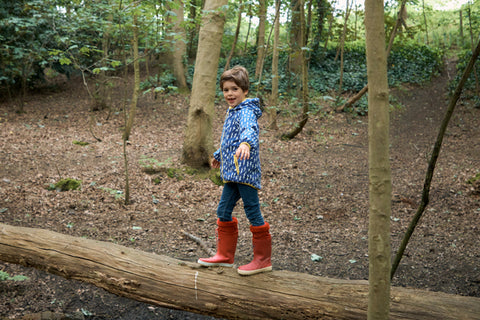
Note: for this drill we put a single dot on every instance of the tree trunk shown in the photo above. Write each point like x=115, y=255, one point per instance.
x=133, y=106
x=329, y=32
x=262, y=16
x=472, y=43
x=275, y=55
x=198, y=144
x=425, y=20
x=179, y=45
x=304, y=81
x=342, y=46
x=249, y=27
x=380, y=183
x=192, y=28
x=461, y=28
x=103, y=88
x=176, y=284
x=296, y=43
x=321, y=11
x=237, y=33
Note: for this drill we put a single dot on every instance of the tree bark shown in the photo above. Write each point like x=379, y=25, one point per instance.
x=275, y=55
x=133, y=106
x=380, y=182
x=262, y=17
x=342, y=47
x=237, y=33
x=297, y=40
x=179, y=46
x=198, y=143
x=175, y=284
x=302, y=61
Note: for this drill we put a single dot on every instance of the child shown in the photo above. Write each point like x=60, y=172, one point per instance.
x=239, y=162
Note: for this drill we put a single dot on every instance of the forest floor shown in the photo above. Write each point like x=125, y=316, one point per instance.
x=314, y=195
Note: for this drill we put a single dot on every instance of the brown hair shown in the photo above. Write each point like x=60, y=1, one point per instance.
x=237, y=74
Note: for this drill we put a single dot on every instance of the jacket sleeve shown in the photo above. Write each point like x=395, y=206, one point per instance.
x=217, y=156
x=249, y=128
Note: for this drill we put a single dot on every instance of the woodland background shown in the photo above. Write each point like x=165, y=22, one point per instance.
x=74, y=107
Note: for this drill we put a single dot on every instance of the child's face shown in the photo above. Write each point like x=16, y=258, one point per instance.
x=233, y=94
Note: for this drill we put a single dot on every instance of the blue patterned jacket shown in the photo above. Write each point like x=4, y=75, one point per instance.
x=241, y=126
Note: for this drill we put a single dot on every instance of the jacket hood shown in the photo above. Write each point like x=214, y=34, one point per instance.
x=253, y=104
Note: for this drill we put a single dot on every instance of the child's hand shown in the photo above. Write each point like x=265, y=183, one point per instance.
x=243, y=152
x=215, y=163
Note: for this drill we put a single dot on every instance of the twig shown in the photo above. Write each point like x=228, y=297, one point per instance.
x=202, y=244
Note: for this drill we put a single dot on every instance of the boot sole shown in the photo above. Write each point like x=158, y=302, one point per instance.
x=250, y=272
x=214, y=264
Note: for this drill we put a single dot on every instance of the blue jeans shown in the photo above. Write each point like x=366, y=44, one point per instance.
x=232, y=192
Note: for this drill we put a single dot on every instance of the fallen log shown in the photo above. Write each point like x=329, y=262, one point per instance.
x=176, y=284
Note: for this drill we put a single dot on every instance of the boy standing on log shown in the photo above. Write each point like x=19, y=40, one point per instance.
x=239, y=162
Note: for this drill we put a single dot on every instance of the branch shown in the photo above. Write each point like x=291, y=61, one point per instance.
x=202, y=244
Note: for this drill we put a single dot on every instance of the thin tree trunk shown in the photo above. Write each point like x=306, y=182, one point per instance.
x=274, y=97
x=192, y=30
x=344, y=30
x=342, y=47
x=235, y=39
x=133, y=106
x=329, y=32
x=398, y=23
x=321, y=13
x=380, y=183
x=179, y=46
x=308, y=26
x=296, y=43
x=461, y=28
x=249, y=27
x=425, y=20
x=304, y=98
x=102, y=91
x=477, y=86
x=262, y=16
x=433, y=160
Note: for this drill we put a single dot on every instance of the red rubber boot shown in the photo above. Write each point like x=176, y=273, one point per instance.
x=227, y=235
x=262, y=251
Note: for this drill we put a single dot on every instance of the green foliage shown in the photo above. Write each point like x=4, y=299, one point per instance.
x=413, y=64
x=159, y=83
x=66, y=185
x=175, y=173
x=216, y=177
x=407, y=64
x=152, y=166
x=4, y=276
x=470, y=86
x=118, y=194
x=25, y=34
x=80, y=143
x=474, y=179
x=68, y=37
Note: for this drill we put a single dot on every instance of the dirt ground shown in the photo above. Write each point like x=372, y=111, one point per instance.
x=315, y=194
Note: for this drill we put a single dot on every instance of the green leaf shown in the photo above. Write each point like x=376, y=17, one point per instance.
x=19, y=278
x=315, y=257
x=65, y=61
